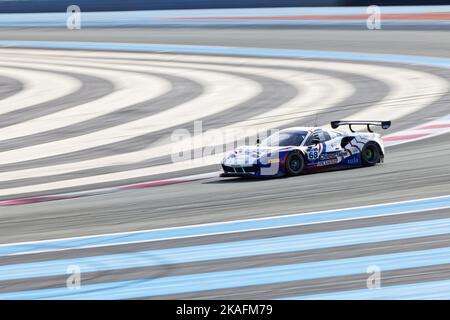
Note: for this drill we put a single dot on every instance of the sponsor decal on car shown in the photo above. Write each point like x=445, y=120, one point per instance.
x=327, y=162
x=335, y=155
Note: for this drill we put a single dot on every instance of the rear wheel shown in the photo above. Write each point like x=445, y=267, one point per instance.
x=370, y=154
x=294, y=163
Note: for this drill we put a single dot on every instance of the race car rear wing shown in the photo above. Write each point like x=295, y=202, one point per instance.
x=383, y=124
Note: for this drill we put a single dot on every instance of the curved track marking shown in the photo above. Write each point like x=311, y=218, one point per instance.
x=38, y=87
x=316, y=88
x=130, y=88
x=411, y=89
x=221, y=92
x=385, y=74
x=315, y=96
x=420, y=252
x=403, y=83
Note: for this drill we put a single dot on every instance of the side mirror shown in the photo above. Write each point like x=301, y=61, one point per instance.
x=315, y=141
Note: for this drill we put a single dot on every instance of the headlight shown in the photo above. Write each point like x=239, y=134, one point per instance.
x=269, y=159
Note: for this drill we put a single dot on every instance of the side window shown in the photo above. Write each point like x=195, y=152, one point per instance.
x=314, y=136
x=333, y=134
x=321, y=136
x=324, y=136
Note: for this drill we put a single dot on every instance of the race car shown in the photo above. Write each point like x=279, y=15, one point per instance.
x=298, y=150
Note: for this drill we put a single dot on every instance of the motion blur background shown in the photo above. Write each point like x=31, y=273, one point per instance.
x=107, y=5
x=86, y=117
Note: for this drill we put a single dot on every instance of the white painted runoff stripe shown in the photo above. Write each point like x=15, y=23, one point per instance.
x=228, y=250
x=404, y=85
x=39, y=86
x=315, y=89
x=396, y=208
x=212, y=160
x=129, y=88
x=315, y=92
x=385, y=75
x=222, y=91
x=411, y=90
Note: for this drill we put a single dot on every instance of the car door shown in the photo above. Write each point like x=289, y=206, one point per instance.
x=316, y=146
x=327, y=152
x=335, y=153
x=332, y=142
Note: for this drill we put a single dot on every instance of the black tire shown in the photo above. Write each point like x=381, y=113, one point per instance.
x=294, y=163
x=370, y=154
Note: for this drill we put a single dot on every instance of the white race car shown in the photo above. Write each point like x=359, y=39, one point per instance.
x=296, y=150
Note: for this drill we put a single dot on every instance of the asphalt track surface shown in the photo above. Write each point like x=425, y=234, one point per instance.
x=413, y=170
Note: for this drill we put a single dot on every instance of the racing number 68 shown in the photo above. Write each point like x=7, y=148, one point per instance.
x=313, y=154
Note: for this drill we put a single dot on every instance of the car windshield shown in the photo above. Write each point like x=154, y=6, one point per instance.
x=285, y=138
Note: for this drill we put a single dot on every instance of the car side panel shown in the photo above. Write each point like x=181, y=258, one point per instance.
x=331, y=154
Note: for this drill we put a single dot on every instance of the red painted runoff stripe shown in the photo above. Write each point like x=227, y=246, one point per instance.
x=434, y=126
x=442, y=16
x=153, y=184
x=405, y=137
x=73, y=195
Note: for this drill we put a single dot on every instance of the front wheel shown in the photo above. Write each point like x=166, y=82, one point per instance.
x=294, y=164
x=370, y=154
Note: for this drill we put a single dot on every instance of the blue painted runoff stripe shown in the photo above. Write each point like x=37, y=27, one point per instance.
x=434, y=290
x=227, y=250
x=404, y=207
x=238, y=278
x=127, y=21
x=236, y=51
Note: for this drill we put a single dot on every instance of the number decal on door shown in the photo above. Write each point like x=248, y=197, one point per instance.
x=313, y=155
